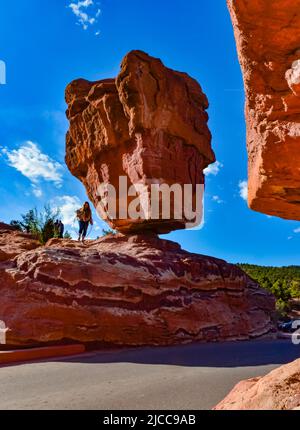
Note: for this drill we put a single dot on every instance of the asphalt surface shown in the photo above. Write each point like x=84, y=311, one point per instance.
x=193, y=376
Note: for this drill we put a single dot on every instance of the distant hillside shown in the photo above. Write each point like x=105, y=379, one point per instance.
x=283, y=282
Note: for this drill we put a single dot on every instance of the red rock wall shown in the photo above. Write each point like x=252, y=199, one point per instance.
x=267, y=35
x=136, y=290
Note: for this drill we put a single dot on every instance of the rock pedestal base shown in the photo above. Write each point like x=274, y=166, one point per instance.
x=128, y=290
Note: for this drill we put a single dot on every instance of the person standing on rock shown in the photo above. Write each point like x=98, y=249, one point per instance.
x=56, y=228
x=84, y=216
x=61, y=229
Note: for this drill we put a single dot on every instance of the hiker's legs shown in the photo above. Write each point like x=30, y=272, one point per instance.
x=81, y=228
x=85, y=228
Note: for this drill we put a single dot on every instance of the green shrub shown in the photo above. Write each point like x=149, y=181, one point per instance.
x=39, y=224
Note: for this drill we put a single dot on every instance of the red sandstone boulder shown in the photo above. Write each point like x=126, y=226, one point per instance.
x=268, y=42
x=136, y=290
x=148, y=125
x=279, y=389
x=14, y=242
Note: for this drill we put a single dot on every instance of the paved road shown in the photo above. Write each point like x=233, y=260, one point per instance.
x=183, y=377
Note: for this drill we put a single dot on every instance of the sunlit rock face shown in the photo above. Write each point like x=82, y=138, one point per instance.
x=14, y=242
x=148, y=125
x=278, y=390
x=267, y=34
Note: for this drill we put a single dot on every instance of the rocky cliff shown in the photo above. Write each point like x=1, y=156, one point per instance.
x=267, y=35
x=127, y=290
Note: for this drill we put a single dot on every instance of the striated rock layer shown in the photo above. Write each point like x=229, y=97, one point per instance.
x=13, y=242
x=278, y=390
x=148, y=125
x=268, y=42
x=136, y=290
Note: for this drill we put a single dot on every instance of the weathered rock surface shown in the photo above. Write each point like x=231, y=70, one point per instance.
x=128, y=290
x=279, y=389
x=148, y=125
x=14, y=242
x=268, y=42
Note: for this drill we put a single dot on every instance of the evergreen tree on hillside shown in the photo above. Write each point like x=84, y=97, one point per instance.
x=283, y=282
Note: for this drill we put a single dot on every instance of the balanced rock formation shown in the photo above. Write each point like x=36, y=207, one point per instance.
x=268, y=42
x=278, y=390
x=128, y=290
x=149, y=125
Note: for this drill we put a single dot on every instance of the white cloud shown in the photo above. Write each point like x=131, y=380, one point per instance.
x=67, y=206
x=243, y=189
x=37, y=191
x=33, y=164
x=217, y=199
x=213, y=169
x=297, y=230
x=86, y=12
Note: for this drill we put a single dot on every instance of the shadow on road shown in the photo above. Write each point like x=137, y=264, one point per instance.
x=226, y=354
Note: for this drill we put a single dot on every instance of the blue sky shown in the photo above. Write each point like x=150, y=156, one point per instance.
x=46, y=44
